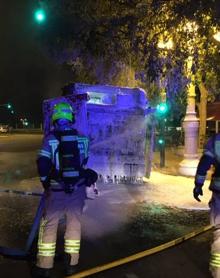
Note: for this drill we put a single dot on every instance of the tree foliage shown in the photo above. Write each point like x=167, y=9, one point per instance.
x=104, y=40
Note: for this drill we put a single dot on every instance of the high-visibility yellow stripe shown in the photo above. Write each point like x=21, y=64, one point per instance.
x=46, y=254
x=72, y=240
x=215, y=262
x=47, y=244
x=215, y=259
x=45, y=249
x=75, y=246
x=71, y=250
x=72, y=246
x=216, y=255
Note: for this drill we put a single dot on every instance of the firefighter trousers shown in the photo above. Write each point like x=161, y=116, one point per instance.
x=58, y=205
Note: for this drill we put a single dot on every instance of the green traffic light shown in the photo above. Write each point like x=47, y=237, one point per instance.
x=161, y=141
x=40, y=15
x=9, y=106
x=162, y=108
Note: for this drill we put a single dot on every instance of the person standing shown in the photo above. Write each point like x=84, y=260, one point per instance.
x=61, y=166
x=211, y=157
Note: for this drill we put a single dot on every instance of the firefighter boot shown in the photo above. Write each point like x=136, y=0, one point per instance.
x=70, y=269
x=38, y=272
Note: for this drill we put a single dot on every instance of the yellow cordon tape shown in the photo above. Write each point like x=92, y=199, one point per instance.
x=140, y=255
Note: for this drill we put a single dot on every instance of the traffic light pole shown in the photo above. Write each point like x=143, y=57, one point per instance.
x=161, y=113
x=149, y=144
x=162, y=145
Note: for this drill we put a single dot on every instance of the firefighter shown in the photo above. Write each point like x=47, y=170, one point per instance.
x=211, y=157
x=61, y=166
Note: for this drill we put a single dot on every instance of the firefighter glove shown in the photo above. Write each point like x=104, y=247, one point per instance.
x=197, y=191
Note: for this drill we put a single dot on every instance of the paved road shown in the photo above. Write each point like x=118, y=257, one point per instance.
x=20, y=142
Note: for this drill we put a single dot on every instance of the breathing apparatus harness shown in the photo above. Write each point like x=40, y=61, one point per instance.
x=72, y=158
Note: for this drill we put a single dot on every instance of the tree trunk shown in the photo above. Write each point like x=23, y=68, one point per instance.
x=202, y=114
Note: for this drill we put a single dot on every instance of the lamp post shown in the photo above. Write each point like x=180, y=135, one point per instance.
x=188, y=165
x=191, y=124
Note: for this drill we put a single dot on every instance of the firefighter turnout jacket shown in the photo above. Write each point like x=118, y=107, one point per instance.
x=211, y=157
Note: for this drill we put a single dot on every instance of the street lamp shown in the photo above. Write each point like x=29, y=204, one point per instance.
x=188, y=165
x=191, y=124
x=168, y=44
x=216, y=36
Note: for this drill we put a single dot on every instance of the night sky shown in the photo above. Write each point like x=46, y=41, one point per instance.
x=27, y=76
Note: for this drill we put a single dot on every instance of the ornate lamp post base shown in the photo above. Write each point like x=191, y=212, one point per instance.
x=188, y=165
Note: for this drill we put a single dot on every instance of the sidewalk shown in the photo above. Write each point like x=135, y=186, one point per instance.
x=172, y=188
x=173, y=157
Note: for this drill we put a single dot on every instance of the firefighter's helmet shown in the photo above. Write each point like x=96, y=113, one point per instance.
x=62, y=110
